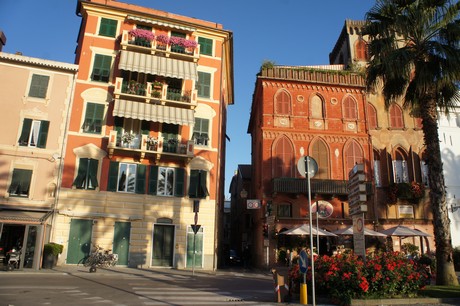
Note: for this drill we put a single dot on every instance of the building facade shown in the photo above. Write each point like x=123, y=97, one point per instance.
x=144, y=158
x=36, y=99
x=325, y=112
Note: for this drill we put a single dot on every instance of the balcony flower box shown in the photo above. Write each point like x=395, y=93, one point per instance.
x=162, y=41
x=152, y=143
x=142, y=37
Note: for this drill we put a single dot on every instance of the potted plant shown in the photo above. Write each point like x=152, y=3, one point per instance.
x=127, y=138
x=51, y=253
x=162, y=41
x=152, y=143
x=142, y=37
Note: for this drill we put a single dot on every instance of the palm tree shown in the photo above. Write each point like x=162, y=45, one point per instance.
x=414, y=55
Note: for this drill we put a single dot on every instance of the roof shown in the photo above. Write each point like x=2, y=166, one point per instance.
x=38, y=62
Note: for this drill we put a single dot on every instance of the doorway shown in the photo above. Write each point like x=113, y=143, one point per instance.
x=163, y=245
x=121, y=236
x=79, y=246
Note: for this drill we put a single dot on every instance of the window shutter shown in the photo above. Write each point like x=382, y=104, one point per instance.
x=113, y=176
x=193, y=187
x=179, y=182
x=153, y=180
x=93, y=165
x=203, y=190
x=43, y=134
x=81, y=175
x=24, y=139
x=118, y=123
x=145, y=127
x=140, y=179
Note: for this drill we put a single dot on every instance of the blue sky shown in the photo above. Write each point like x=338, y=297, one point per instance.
x=287, y=32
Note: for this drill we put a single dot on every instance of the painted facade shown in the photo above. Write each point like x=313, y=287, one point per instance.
x=36, y=99
x=146, y=137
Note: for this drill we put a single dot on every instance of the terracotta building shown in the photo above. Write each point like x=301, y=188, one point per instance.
x=36, y=99
x=325, y=112
x=144, y=158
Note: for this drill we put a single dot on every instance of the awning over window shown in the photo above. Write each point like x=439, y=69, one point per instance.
x=24, y=217
x=158, y=65
x=161, y=23
x=153, y=112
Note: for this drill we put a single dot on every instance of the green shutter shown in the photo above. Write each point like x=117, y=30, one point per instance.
x=153, y=179
x=43, y=134
x=145, y=127
x=108, y=27
x=205, y=46
x=20, y=182
x=39, y=86
x=113, y=176
x=92, y=171
x=202, y=189
x=81, y=175
x=140, y=179
x=204, y=84
x=24, y=139
x=101, y=68
x=193, y=187
x=179, y=182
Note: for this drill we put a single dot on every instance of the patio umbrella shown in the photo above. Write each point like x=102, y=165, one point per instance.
x=305, y=230
x=403, y=231
x=367, y=232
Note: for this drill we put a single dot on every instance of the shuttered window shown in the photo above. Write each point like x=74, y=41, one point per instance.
x=20, y=183
x=320, y=155
x=282, y=103
x=198, y=188
x=34, y=133
x=87, y=174
x=396, y=119
x=94, y=117
x=205, y=46
x=349, y=108
x=361, y=50
x=283, y=159
x=166, y=181
x=201, y=131
x=317, y=107
x=39, y=86
x=371, y=116
x=353, y=156
x=203, y=85
x=108, y=27
x=101, y=68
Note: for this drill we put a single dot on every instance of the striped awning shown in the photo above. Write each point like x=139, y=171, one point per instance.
x=153, y=112
x=158, y=65
x=161, y=23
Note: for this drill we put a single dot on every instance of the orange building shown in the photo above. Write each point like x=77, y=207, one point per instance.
x=146, y=137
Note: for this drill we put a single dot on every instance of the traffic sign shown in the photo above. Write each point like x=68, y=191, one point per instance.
x=303, y=261
x=305, y=161
x=196, y=228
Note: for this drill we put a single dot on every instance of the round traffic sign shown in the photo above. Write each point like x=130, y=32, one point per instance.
x=307, y=161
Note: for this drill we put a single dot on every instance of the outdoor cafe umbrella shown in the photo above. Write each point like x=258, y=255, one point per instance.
x=367, y=232
x=403, y=231
x=305, y=230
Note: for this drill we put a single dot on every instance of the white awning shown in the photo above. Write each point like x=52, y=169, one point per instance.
x=153, y=112
x=161, y=23
x=158, y=65
x=24, y=217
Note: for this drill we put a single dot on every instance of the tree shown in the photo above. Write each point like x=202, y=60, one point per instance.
x=414, y=55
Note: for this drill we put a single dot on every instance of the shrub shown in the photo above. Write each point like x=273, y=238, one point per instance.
x=53, y=248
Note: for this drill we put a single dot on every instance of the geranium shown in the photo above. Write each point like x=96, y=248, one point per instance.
x=142, y=33
x=176, y=41
x=164, y=39
x=188, y=43
x=417, y=189
x=127, y=137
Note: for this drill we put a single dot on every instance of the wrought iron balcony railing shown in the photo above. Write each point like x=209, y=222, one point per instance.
x=297, y=185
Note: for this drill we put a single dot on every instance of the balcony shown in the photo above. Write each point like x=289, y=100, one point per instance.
x=162, y=45
x=158, y=93
x=330, y=187
x=143, y=145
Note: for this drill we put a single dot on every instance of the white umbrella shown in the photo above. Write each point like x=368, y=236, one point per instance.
x=305, y=230
x=367, y=232
x=403, y=231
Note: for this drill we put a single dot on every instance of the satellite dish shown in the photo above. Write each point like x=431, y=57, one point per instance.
x=307, y=161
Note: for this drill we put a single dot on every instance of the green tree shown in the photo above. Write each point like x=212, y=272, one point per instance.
x=414, y=55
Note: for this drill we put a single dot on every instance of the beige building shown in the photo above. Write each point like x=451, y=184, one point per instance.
x=36, y=99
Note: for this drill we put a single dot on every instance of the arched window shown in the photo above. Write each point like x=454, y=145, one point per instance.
x=361, y=50
x=316, y=107
x=400, y=167
x=371, y=116
x=282, y=103
x=283, y=158
x=319, y=152
x=424, y=169
x=349, y=108
x=377, y=178
x=396, y=118
x=353, y=156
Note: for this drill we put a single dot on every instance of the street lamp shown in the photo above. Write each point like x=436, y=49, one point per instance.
x=243, y=194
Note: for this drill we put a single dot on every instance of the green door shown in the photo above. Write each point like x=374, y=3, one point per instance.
x=195, y=245
x=79, y=245
x=163, y=245
x=121, y=236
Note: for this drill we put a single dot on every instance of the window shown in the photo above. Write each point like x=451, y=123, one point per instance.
x=282, y=103
x=34, y=133
x=166, y=181
x=377, y=179
x=400, y=167
x=20, y=183
x=205, y=46
x=319, y=153
x=349, y=108
x=200, y=131
x=94, y=116
x=170, y=133
x=101, y=68
x=108, y=27
x=126, y=177
x=396, y=118
x=87, y=174
x=283, y=161
x=39, y=86
x=317, y=107
x=197, y=188
x=371, y=116
x=284, y=210
x=353, y=156
x=203, y=85
x=361, y=50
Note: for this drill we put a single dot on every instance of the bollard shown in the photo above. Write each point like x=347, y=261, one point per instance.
x=281, y=288
x=303, y=294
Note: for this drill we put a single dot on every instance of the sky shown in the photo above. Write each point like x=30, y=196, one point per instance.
x=286, y=32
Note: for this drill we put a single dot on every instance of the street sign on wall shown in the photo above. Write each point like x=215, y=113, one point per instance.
x=253, y=204
x=357, y=190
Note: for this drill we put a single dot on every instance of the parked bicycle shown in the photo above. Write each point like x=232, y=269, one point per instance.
x=100, y=259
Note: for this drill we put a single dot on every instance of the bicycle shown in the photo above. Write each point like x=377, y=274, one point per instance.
x=100, y=259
